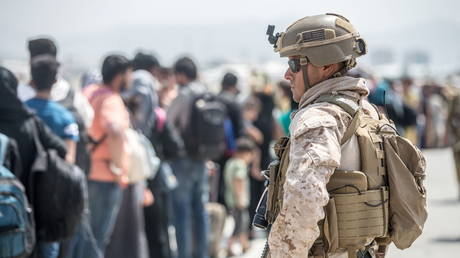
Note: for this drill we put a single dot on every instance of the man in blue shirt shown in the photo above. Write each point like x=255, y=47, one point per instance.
x=43, y=70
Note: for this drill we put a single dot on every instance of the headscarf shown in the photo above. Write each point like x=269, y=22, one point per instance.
x=11, y=108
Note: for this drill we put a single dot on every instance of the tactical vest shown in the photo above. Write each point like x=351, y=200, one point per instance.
x=358, y=210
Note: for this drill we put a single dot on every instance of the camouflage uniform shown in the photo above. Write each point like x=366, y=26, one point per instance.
x=316, y=133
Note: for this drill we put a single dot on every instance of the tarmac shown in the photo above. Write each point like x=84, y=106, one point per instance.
x=441, y=235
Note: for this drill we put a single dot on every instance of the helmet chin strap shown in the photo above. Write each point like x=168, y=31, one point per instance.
x=304, y=65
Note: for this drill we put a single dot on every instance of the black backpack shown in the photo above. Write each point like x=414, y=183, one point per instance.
x=59, y=194
x=83, y=155
x=204, y=136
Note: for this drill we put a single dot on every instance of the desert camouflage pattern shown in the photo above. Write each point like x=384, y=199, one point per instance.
x=315, y=152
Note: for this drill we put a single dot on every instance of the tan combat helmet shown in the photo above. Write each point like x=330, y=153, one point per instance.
x=321, y=40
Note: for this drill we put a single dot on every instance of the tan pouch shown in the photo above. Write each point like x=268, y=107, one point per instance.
x=361, y=216
x=372, y=156
x=273, y=188
x=406, y=171
x=330, y=227
x=347, y=181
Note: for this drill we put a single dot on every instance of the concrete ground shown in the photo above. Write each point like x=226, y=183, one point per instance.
x=441, y=236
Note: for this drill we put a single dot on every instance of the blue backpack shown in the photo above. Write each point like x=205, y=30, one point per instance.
x=17, y=231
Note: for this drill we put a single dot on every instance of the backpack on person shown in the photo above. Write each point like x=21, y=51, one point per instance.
x=144, y=163
x=59, y=194
x=17, y=229
x=204, y=136
x=384, y=201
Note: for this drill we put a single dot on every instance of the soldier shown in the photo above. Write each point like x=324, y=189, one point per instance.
x=321, y=49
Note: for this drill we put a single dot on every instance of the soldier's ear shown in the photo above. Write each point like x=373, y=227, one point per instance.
x=330, y=69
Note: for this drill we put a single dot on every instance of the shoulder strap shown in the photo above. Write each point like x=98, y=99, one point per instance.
x=349, y=105
x=37, y=139
x=3, y=148
x=96, y=143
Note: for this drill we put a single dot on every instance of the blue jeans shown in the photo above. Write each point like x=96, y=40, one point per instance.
x=189, y=200
x=104, y=203
x=48, y=249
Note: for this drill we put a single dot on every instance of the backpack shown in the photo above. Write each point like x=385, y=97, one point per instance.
x=385, y=201
x=144, y=162
x=204, y=136
x=168, y=143
x=59, y=194
x=83, y=155
x=17, y=230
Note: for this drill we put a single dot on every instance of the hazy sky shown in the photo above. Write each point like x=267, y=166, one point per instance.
x=86, y=29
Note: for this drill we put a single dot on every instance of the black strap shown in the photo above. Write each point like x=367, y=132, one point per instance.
x=96, y=143
x=37, y=140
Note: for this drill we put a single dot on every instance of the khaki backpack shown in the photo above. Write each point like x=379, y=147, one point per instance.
x=383, y=202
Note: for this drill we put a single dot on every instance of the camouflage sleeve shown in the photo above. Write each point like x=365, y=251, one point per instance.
x=314, y=155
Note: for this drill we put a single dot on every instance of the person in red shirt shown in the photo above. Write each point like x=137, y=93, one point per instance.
x=110, y=156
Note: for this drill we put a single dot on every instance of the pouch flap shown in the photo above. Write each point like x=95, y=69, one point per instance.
x=347, y=181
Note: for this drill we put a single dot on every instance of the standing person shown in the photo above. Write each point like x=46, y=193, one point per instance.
x=129, y=235
x=20, y=124
x=142, y=97
x=147, y=116
x=320, y=52
x=110, y=157
x=237, y=192
x=234, y=130
x=229, y=95
x=168, y=91
x=190, y=196
x=44, y=70
x=63, y=93
x=265, y=123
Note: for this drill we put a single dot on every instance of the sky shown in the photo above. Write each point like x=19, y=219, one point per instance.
x=211, y=30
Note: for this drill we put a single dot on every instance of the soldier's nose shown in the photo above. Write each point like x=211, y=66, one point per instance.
x=288, y=75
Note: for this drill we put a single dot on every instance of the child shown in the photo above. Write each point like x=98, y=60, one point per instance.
x=237, y=191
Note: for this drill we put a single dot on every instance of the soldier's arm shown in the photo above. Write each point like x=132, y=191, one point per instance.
x=314, y=155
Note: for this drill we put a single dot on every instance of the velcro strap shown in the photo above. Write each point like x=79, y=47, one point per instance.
x=351, y=129
x=347, y=103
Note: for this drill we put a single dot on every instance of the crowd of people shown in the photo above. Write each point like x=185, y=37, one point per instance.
x=419, y=108
x=211, y=148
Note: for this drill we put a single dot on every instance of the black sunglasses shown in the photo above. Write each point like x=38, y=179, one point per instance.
x=294, y=65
